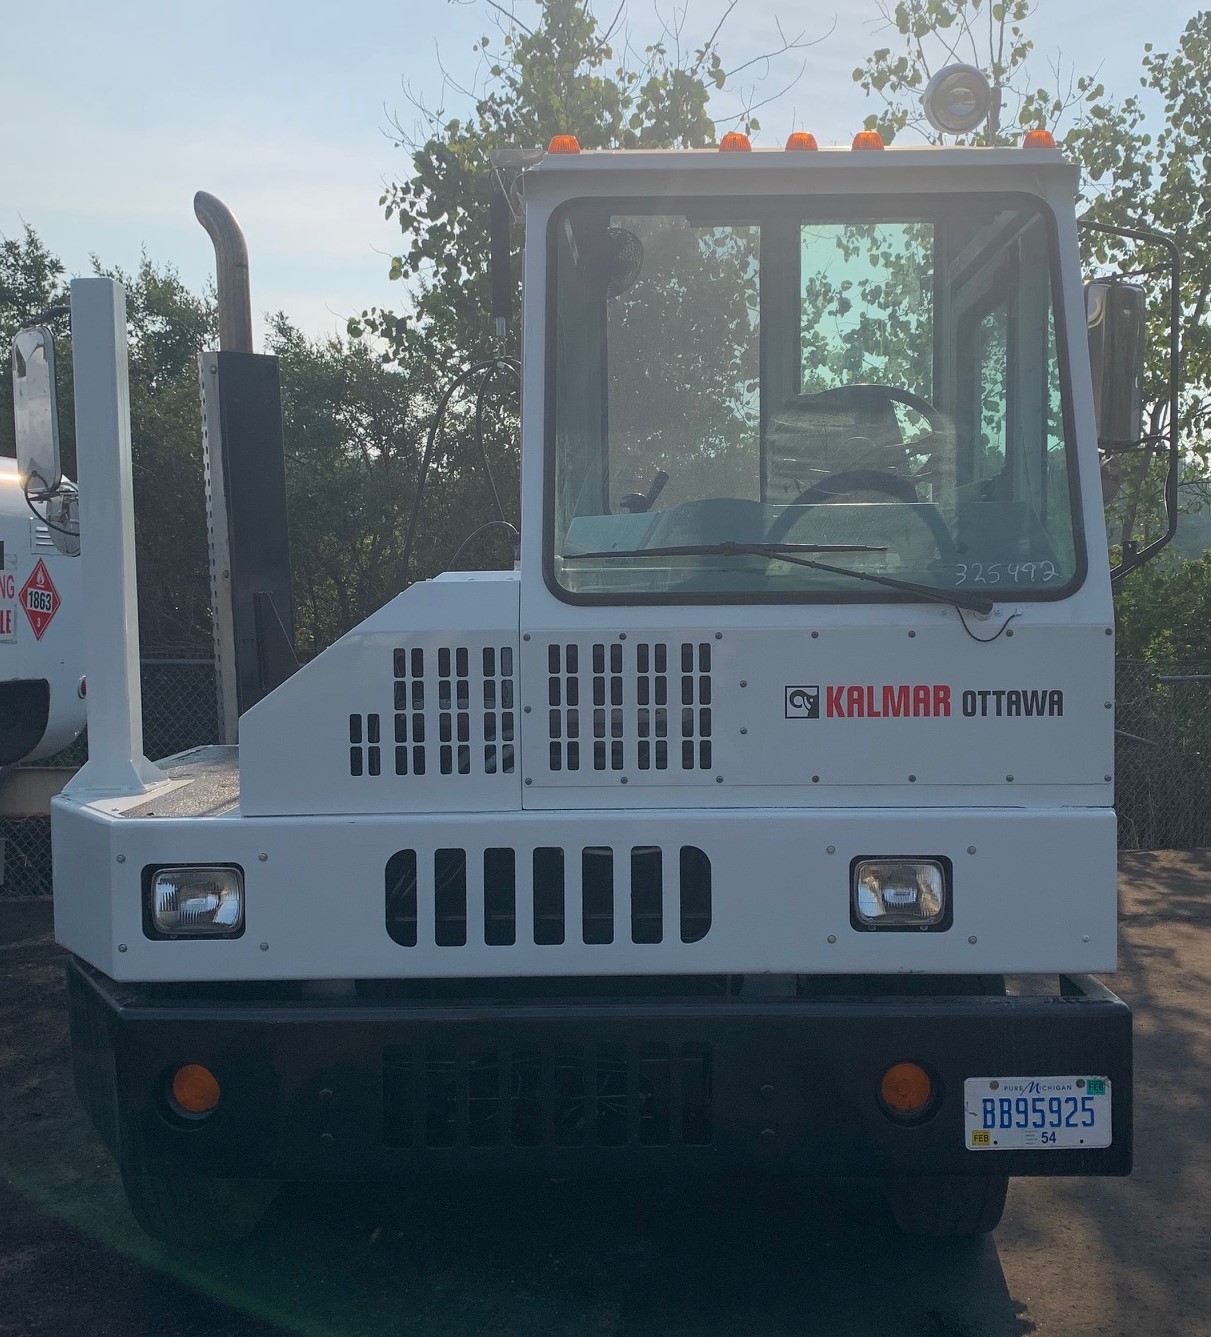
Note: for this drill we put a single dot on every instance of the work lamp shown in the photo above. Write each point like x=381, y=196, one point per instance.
x=957, y=99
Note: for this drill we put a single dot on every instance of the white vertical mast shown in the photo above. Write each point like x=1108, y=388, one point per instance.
x=116, y=764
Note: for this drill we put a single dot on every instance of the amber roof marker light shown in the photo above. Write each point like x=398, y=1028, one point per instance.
x=734, y=142
x=1038, y=139
x=867, y=139
x=564, y=144
x=802, y=142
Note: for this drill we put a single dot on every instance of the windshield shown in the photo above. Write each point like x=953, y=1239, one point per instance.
x=735, y=372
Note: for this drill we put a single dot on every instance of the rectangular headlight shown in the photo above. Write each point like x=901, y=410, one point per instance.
x=196, y=901
x=907, y=893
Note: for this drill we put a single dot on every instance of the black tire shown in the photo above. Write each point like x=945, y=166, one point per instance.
x=947, y=1206
x=198, y=1212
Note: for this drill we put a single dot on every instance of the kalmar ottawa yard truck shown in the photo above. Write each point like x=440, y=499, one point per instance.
x=704, y=840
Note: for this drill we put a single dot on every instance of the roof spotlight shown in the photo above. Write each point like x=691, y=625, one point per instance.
x=957, y=99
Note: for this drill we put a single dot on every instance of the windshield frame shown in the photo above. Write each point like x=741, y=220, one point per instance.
x=839, y=206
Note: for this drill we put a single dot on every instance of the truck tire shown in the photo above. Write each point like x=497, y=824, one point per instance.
x=947, y=1206
x=198, y=1212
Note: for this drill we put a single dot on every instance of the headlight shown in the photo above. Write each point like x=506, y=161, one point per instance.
x=900, y=894
x=196, y=901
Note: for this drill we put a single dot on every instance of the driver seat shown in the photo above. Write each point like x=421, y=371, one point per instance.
x=848, y=431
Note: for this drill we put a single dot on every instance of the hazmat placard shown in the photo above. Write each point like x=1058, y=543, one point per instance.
x=40, y=599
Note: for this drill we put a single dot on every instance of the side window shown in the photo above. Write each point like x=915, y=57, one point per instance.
x=989, y=429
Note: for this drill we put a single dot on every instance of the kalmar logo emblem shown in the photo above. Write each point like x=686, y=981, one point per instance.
x=803, y=703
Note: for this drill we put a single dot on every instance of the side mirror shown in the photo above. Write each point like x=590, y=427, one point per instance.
x=1116, y=316
x=36, y=411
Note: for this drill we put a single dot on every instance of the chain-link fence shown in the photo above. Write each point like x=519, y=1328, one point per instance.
x=180, y=706
x=1162, y=757
x=1162, y=746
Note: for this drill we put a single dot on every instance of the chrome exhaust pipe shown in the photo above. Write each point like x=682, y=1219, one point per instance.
x=231, y=264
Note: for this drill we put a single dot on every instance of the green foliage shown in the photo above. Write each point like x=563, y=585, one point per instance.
x=1159, y=178
x=1164, y=614
x=564, y=76
x=31, y=282
x=354, y=430
x=167, y=326
x=1136, y=176
x=930, y=34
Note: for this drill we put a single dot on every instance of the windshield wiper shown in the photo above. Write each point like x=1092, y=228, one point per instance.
x=785, y=552
x=727, y=548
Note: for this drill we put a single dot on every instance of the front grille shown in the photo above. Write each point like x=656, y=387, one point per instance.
x=596, y=1095
x=621, y=896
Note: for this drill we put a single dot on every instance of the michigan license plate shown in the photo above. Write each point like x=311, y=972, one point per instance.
x=1036, y=1113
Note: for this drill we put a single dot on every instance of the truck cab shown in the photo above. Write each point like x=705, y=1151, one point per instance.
x=704, y=840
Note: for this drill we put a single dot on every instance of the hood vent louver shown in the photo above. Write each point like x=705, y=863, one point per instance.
x=643, y=706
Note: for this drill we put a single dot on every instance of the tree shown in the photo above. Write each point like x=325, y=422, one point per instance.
x=31, y=282
x=353, y=429
x=567, y=74
x=930, y=34
x=167, y=325
x=1161, y=180
x=1133, y=178
x=1164, y=615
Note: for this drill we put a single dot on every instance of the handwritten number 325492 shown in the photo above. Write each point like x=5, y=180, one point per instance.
x=996, y=573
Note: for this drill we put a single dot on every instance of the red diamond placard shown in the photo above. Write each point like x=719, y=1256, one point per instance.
x=40, y=599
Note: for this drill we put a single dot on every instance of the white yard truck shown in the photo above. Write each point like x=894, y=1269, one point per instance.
x=41, y=648
x=704, y=840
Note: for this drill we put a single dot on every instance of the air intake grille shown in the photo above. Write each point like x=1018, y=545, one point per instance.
x=614, y=712
x=595, y=1095
x=454, y=714
x=621, y=896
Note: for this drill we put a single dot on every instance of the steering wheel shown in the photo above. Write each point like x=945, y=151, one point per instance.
x=896, y=486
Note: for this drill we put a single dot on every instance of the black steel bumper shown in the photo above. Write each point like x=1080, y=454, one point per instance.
x=354, y=1089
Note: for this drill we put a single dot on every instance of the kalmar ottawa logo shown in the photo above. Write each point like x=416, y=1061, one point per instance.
x=803, y=703
x=40, y=599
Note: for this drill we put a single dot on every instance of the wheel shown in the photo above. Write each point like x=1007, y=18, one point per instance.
x=198, y=1212
x=947, y=1206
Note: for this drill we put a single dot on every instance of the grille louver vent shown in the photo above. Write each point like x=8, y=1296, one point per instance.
x=621, y=896
x=614, y=713
x=603, y=1094
x=462, y=716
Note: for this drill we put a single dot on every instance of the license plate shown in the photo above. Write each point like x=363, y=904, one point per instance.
x=1036, y=1113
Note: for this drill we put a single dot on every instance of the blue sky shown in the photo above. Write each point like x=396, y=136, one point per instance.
x=119, y=111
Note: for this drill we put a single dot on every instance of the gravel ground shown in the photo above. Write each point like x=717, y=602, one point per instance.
x=1073, y=1257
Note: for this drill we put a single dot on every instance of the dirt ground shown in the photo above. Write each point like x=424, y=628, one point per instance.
x=1073, y=1257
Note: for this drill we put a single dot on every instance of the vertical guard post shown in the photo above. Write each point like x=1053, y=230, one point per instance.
x=116, y=764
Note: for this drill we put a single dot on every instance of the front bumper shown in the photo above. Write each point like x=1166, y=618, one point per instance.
x=355, y=1089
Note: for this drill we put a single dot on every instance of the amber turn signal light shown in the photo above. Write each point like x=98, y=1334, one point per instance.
x=195, y=1089
x=906, y=1088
